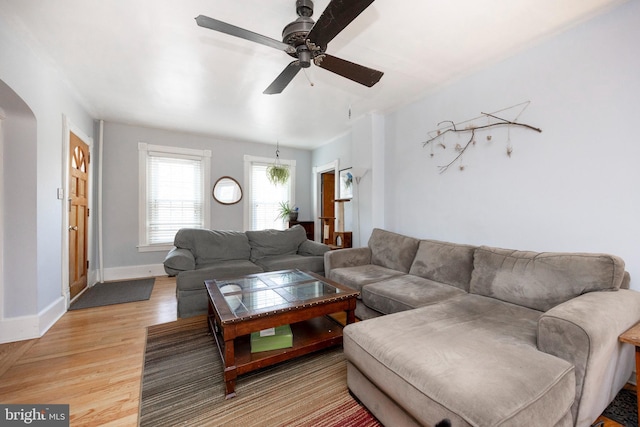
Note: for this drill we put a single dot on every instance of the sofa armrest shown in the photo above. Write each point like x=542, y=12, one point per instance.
x=346, y=258
x=177, y=260
x=585, y=331
x=311, y=248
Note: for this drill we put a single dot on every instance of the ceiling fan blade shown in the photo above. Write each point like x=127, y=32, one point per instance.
x=232, y=30
x=283, y=79
x=358, y=73
x=337, y=15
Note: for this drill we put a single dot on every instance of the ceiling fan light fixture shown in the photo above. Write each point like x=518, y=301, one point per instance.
x=304, y=56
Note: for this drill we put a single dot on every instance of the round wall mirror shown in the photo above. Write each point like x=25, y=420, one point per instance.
x=227, y=191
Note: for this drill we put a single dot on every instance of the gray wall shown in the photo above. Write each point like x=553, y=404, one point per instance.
x=120, y=184
x=574, y=187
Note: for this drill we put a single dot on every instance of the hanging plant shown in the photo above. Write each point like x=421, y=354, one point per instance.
x=278, y=173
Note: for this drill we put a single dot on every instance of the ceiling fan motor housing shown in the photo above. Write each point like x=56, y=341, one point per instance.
x=295, y=33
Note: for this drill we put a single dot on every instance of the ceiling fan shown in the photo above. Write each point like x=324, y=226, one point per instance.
x=307, y=41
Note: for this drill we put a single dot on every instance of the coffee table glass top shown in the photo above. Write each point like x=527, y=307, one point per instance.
x=269, y=291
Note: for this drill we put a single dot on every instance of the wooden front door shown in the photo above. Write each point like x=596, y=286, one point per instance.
x=78, y=214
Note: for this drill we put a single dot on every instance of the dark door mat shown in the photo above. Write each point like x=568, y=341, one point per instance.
x=109, y=293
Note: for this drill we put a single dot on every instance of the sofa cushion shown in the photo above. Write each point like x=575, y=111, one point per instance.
x=286, y=262
x=213, y=245
x=471, y=359
x=275, y=242
x=194, y=279
x=444, y=262
x=392, y=250
x=542, y=280
x=406, y=292
x=357, y=277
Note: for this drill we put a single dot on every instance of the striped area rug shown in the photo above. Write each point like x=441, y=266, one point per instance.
x=183, y=385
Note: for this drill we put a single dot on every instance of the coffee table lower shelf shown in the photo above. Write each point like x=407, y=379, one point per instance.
x=308, y=336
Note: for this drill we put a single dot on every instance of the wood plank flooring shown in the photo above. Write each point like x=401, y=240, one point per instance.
x=91, y=359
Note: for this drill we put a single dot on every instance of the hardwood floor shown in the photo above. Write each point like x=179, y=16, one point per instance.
x=92, y=360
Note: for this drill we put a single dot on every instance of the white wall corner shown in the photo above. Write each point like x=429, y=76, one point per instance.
x=51, y=314
x=30, y=327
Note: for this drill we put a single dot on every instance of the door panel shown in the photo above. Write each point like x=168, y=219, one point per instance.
x=78, y=214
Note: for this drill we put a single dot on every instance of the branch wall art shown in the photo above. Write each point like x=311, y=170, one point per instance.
x=440, y=137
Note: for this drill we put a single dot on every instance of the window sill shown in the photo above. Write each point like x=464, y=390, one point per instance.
x=155, y=248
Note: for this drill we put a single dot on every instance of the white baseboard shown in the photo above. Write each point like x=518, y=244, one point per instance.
x=50, y=315
x=29, y=327
x=133, y=272
x=19, y=328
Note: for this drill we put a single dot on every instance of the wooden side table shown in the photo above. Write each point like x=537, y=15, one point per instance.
x=632, y=336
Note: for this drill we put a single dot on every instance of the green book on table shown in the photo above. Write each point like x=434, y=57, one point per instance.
x=272, y=339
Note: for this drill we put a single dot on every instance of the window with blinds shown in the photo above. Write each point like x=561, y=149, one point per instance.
x=264, y=197
x=174, y=194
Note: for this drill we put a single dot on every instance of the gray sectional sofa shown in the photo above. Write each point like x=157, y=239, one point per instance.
x=484, y=336
x=201, y=255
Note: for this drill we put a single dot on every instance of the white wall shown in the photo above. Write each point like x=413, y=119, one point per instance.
x=574, y=187
x=19, y=215
x=120, y=185
x=33, y=298
x=361, y=149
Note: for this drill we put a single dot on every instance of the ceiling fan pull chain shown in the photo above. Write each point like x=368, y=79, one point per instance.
x=307, y=76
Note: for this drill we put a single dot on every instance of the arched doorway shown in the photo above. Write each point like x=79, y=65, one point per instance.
x=18, y=204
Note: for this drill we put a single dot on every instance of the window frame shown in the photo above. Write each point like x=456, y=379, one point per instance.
x=143, y=155
x=248, y=162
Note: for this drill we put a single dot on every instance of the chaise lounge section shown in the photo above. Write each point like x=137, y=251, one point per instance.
x=484, y=336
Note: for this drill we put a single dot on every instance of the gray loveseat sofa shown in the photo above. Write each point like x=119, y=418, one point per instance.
x=201, y=255
x=484, y=336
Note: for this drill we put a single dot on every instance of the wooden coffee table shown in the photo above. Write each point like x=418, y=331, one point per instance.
x=303, y=300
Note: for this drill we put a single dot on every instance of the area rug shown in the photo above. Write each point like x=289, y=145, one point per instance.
x=183, y=385
x=624, y=409
x=109, y=293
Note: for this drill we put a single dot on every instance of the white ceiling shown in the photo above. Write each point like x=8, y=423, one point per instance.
x=146, y=62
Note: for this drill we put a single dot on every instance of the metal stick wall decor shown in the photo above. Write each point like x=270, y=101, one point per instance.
x=437, y=137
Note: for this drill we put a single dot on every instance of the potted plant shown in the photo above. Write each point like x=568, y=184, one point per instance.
x=286, y=212
x=278, y=174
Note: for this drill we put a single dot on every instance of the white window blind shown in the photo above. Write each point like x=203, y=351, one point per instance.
x=264, y=197
x=174, y=193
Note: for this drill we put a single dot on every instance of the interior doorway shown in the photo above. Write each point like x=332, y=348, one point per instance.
x=78, y=214
x=327, y=208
